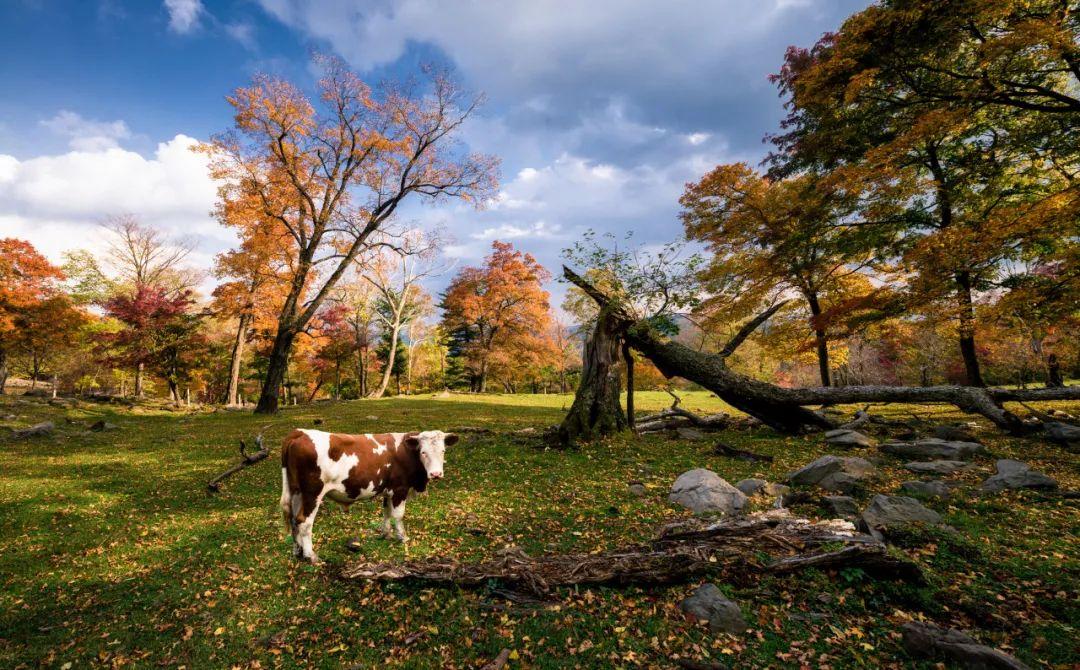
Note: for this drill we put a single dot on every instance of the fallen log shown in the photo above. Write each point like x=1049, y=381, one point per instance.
x=766, y=543
x=246, y=461
x=786, y=409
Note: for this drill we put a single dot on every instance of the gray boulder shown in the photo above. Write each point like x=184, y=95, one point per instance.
x=885, y=513
x=932, y=447
x=751, y=486
x=954, y=434
x=1065, y=434
x=1017, y=475
x=37, y=430
x=833, y=473
x=845, y=437
x=704, y=492
x=843, y=507
x=774, y=490
x=936, y=467
x=708, y=603
x=103, y=426
x=934, y=489
x=929, y=641
x=688, y=433
x=636, y=489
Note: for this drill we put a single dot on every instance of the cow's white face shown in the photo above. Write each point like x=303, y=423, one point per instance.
x=432, y=446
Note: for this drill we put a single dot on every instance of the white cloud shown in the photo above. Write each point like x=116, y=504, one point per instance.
x=510, y=231
x=86, y=135
x=243, y=32
x=183, y=15
x=56, y=202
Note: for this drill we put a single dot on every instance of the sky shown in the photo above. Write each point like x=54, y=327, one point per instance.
x=600, y=111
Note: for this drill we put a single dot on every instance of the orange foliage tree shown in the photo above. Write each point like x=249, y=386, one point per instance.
x=332, y=173
x=497, y=315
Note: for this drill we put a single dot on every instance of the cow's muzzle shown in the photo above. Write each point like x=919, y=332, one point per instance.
x=434, y=475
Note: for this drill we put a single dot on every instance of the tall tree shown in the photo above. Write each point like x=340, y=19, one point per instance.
x=768, y=235
x=949, y=132
x=26, y=280
x=335, y=174
x=494, y=306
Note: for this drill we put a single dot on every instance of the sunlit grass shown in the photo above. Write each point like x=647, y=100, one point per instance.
x=114, y=554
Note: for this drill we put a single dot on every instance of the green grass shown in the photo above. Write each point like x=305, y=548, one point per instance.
x=114, y=555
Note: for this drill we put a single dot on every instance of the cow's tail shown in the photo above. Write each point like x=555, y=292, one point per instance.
x=286, y=490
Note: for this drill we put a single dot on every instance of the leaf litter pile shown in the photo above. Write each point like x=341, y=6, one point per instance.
x=772, y=542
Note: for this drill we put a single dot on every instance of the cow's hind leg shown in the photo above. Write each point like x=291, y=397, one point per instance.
x=309, y=507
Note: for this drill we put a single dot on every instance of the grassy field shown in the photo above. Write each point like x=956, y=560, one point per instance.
x=115, y=555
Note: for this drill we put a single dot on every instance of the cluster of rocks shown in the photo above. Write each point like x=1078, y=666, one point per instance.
x=705, y=492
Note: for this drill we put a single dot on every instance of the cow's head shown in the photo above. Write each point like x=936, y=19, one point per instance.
x=431, y=446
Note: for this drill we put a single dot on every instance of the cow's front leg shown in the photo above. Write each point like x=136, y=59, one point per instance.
x=397, y=513
x=386, y=529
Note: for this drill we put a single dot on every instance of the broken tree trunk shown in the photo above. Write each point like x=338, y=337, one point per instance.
x=247, y=460
x=784, y=409
x=765, y=543
x=596, y=410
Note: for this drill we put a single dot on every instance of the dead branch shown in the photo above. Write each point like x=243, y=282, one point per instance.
x=861, y=417
x=751, y=325
x=499, y=661
x=246, y=461
x=765, y=543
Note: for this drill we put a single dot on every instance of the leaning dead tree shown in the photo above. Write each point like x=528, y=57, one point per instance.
x=246, y=461
x=596, y=410
x=787, y=409
x=765, y=543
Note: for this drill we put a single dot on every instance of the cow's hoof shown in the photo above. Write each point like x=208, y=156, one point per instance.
x=314, y=559
x=403, y=539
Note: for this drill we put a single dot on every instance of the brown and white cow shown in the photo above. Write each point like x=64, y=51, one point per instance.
x=347, y=468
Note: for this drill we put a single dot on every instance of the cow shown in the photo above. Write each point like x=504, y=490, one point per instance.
x=347, y=468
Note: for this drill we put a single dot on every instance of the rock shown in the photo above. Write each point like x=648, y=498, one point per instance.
x=317, y=422
x=636, y=489
x=841, y=506
x=932, y=447
x=954, y=434
x=371, y=417
x=930, y=641
x=708, y=603
x=103, y=426
x=934, y=489
x=1016, y=475
x=704, y=492
x=833, y=473
x=1065, y=434
x=936, y=467
x=752, y=486
x=774, y=490
x=37, y=430
x=845, y=437
x=892, y=512
x=66, y=403
x=685, y=433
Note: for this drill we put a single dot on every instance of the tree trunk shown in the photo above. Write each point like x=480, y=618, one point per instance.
x=628, y=357
x=388, y=369
x=3, y=371
x=361, y=368
x=967, y=330
x=596, y=411
x=481, y=378
x=1053, y=372
x=139, y=380
x=237, y=357
x=820, y=339
x=275, y=372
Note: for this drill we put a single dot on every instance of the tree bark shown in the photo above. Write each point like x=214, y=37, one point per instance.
x=275, y=372
x=237, y=357
x=3, y=370
x=596, y=411
x=628, y=357
x=820, y=339
x=391, y=356
x=967, y=330
x=138, y=380
x=1053, y=372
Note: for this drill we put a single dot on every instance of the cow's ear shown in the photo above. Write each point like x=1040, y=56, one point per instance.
x=412, y=443
x=450, y=439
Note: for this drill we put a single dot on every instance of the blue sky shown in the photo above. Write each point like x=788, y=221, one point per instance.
x=600, y=111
